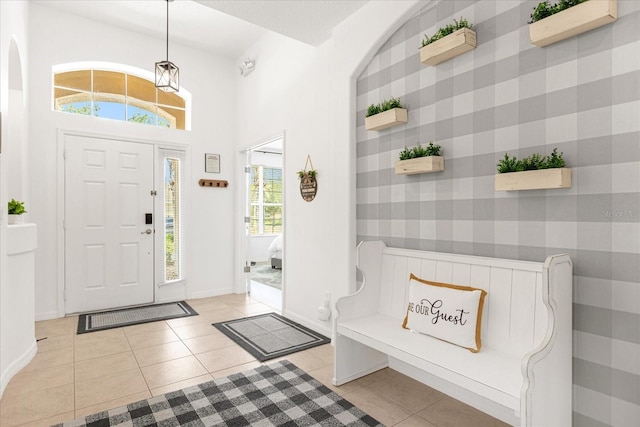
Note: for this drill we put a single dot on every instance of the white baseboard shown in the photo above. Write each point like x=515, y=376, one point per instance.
x=210, y=293
x=47, y=315
x=321, y=328
x=16, y=365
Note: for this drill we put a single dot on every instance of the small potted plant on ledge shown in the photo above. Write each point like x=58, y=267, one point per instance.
x=419, y=160
x=388, y=113
x=16, y=210
x=448, y=42
x=551, y=23
x=535, y=172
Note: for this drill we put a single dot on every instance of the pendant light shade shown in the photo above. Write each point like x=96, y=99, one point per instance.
x=167, y=76
x=167, y=73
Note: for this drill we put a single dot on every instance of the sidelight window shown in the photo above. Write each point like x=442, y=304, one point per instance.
x=172, y=224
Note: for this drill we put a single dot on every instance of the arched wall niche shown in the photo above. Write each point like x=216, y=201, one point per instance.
x=15, y=147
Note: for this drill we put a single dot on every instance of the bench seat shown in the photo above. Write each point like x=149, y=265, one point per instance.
x=490, y=373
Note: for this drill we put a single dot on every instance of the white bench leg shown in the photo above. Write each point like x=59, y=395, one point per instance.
x=355, y=360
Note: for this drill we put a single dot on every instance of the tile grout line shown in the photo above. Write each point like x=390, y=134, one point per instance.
x=133, y=353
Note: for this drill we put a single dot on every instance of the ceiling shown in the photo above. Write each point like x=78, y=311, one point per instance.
x=221, y=27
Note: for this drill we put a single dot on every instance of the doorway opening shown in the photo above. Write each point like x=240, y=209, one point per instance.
x=265, y=223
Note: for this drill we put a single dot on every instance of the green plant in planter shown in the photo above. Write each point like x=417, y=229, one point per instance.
x=533, y=162
x=16, y=207
x=387, y=104
x=420, y=151
x=508, y=164
x=312, y=173
x=555, y=160
x=545, y=9
x=446, y=30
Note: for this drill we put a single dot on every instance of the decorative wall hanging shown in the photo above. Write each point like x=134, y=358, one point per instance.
x=552, y=23
x=448, y=42
x=308, y=182
x=534, y=180
x=419, y=160
x=535, y=172
x=212, y=163
x=385, y=115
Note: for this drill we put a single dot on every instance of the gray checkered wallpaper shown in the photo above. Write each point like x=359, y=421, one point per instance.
x=581, y=95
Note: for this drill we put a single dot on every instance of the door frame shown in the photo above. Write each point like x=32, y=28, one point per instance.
x=241, y=237
x=60, y=199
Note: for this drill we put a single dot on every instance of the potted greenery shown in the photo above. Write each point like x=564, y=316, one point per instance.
x=388, y=113
x=310, y=173
x=551, y=23
x=419, y=160
x=16, y=210
x=535, y=172
x=448, y=42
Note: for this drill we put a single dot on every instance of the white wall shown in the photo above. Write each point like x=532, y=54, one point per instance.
x=310, y=94
x=305, y=91
x=58, y=38
x=13, y=29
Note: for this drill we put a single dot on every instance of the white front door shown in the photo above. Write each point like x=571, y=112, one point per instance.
x=108, y=245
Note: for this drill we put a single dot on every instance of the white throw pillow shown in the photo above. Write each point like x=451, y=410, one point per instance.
x=448, y=312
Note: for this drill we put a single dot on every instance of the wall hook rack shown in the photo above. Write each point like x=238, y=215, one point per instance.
x=213, y=183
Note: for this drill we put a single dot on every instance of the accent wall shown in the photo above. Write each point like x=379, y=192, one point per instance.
x=581, y=96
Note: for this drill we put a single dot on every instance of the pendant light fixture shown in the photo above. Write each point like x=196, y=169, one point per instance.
x=167, y=73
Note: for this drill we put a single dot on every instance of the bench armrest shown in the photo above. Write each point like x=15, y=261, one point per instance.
x=366, y=300
x=546, y=391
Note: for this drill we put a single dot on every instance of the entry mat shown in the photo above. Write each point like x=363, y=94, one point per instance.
x=99, y=321
x=267, y=336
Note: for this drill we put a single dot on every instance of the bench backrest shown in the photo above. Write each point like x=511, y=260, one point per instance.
x=514, y=317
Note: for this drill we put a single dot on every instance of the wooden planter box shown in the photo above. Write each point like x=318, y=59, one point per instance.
x=420, y=165
x=448, y=47
x=534, y=180
x=573, y=21
x=386, y=119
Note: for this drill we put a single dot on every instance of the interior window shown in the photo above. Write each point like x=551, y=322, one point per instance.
x=266, y=200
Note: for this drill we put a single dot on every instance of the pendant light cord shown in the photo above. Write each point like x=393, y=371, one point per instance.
x=167, y=30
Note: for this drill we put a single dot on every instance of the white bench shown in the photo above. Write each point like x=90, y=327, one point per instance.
x=523, y=373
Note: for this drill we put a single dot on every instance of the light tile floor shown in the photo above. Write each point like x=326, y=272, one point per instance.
x=75, y=375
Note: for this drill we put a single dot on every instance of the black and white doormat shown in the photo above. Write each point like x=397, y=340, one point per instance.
x=100, y=321
x=267, y=336
x=280, y=394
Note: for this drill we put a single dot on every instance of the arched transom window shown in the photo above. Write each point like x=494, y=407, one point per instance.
x=118, y=95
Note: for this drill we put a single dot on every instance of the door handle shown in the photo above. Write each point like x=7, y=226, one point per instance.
x=147, y=231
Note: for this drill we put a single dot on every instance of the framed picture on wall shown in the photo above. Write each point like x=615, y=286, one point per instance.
x=212, y=163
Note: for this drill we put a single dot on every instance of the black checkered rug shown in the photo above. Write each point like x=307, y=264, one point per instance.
x=279, y=394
